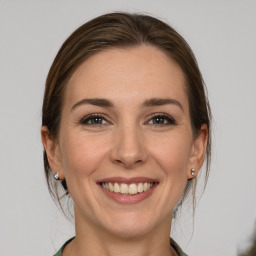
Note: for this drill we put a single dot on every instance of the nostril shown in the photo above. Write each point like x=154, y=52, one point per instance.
x=128, y=153
x=128, y=164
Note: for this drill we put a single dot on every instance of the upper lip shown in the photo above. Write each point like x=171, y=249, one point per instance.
x=127, y=180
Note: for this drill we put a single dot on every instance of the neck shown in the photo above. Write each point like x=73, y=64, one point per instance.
x=93, y=241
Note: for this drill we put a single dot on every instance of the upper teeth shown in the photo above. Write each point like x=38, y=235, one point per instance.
x=124, y=188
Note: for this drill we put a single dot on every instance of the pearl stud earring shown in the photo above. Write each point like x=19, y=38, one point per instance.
x=193, y=171
x=56, y=176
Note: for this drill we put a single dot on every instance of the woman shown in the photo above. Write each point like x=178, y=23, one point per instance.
x=126, y=129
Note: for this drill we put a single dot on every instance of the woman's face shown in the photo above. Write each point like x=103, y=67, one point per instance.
x=125, y=126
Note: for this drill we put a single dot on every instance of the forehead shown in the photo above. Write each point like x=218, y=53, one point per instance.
x=127, y=73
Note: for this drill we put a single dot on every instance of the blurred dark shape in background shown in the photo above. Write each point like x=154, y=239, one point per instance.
x=251, y=251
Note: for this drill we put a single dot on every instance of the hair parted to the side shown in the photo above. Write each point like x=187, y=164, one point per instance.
x=120, y=30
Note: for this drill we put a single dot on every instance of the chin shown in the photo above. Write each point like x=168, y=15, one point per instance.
x=129, y=226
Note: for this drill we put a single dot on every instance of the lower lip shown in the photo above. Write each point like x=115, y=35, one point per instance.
x=128, y=199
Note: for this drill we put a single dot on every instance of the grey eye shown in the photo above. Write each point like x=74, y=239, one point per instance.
x=161, y=120
x=93, y=120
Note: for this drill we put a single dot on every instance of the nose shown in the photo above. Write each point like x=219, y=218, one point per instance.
x=128, y=149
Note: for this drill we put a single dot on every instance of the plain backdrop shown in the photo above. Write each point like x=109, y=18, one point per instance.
x=222, y=35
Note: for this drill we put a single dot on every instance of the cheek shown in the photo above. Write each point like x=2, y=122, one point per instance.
x=81, y=155
x=172, y=154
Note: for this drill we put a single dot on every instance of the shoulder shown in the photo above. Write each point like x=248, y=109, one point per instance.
x=177, y=248
x=59, y=253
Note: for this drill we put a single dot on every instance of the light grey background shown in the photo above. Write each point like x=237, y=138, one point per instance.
x=223, y=37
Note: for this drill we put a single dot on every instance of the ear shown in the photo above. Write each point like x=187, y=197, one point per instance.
x=198, y=151
x=52, y=149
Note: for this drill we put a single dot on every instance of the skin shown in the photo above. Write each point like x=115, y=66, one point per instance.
x=128, y=143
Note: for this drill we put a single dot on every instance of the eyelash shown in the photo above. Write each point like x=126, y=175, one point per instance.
x=168, y=120
x=85, y=120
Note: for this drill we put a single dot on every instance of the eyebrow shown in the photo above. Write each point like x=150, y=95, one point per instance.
x=160, y=102
x=95, y=101
x=147, y=103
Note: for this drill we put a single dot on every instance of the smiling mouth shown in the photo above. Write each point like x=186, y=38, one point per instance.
x=127, y=189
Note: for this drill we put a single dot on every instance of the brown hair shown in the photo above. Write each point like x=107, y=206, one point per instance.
x=121, y=30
